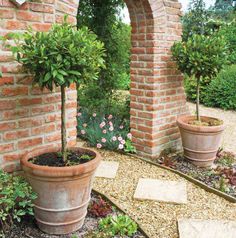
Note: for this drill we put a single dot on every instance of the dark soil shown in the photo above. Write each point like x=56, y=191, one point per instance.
x=221, y=176
x=28, y=227
x=56, y=160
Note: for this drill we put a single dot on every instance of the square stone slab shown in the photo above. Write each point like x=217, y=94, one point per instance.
x=107, y=169
x=161, y=190
x=195, y=228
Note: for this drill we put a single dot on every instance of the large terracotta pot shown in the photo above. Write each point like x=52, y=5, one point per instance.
x=200, y=143
x=63, y=192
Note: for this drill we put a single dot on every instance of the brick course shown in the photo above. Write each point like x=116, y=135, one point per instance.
x=30, y=118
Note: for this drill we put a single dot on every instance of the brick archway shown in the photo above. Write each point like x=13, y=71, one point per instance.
x=157, y=94
x=30, y=118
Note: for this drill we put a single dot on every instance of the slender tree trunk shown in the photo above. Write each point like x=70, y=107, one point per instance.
x=63, y=123
x=198, y=99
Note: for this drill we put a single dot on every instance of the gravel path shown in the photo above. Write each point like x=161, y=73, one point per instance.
x=229, y=118
x=159, y=219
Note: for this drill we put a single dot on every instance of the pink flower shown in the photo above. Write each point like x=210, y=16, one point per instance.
x=122, y=142
x=85, y=125
x=83, y=132
x=94, y=114
x=99, y=146
x=129, y=136
x=79, y=114
x=121, y=146
x=114, y=138
x=110, y=117
x=103, y=140
x=104, y=131
x=121, y=126
x=120, y=138
x=102, y=124
x=111, y=128
x=110, y=123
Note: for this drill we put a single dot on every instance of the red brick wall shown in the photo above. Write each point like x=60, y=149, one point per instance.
x=157, y=94
x=30, y=118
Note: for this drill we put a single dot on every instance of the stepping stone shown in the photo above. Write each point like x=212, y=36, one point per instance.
x=160, y=190
x=107, y=169
x=195, y=228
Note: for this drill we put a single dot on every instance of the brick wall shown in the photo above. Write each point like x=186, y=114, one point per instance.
x=157, y=94
x=30, y=118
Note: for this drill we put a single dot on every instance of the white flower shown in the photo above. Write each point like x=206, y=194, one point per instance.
x=121, y=146
x=103, y=140
x=120, y=138
x=99, y=146
x=129, y=136
x=94, y=114
x=122, y=142
x=111, y=128
x=114, y=138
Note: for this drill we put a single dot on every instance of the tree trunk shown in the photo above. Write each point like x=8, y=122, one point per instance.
x=63, y=123
x=198, y=100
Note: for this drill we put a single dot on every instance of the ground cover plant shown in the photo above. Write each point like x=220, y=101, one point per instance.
x=104, y=130
x=98, y=210
x=16, y=201
x=222, y=176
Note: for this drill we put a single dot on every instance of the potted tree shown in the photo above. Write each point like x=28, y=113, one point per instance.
x=201, y=56
x=61, y=177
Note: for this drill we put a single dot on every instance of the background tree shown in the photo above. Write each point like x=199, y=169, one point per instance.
x=103, y=18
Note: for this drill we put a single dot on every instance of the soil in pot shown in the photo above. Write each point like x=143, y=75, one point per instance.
x=56, y=159
x=206, y=122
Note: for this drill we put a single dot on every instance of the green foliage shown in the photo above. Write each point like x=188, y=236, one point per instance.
x=195, y=20
x=61, y=56
x=102, y=17
x=201, y=56
x=190, y=85
x=16, y=199
x=104, y=130
x=222, y=90
x=229, y=32
x=118, y=225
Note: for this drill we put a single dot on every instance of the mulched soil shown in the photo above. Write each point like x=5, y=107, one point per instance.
x=28, y=227
x=56, y=160
x=221, y=176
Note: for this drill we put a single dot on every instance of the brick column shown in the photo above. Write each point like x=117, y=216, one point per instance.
x=30, y=118
x=157, y=94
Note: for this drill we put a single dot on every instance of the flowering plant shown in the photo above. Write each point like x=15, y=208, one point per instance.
x=104, y=131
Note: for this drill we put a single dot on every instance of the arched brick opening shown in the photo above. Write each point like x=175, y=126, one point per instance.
x=157, y=94
x=30, y=118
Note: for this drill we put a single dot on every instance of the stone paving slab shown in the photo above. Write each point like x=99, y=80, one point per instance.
x=193, y=228
x=107, y=169
x=161, y=190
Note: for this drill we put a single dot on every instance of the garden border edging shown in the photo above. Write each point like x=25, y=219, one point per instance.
x=190, y=179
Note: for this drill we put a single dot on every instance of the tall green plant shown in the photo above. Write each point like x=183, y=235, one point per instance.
x=60, y=57
x=201, y=56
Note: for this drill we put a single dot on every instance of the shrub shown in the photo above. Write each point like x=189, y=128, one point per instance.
x=104, y=131
x=16, y=199
x=118, y=225
x=60, y=57
x=222, y=90
x=200, y=57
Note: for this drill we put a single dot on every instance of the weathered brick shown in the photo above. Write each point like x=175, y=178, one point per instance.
x=23, y=144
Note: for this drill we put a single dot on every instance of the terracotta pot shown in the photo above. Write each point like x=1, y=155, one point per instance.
x=200, y=143
x=63, y=192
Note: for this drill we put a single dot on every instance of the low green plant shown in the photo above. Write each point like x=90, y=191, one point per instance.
x=118, y=225
x=200, y=57
x=222, y=90
x=16, y=199
x=223, y=185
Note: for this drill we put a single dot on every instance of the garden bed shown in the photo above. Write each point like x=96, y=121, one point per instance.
x=221, y=176
x=99, y=208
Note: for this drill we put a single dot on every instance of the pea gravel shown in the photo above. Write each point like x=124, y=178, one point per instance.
x=159, y=220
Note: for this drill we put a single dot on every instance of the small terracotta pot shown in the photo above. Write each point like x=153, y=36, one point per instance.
x=63, y=192
x=200, y=143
